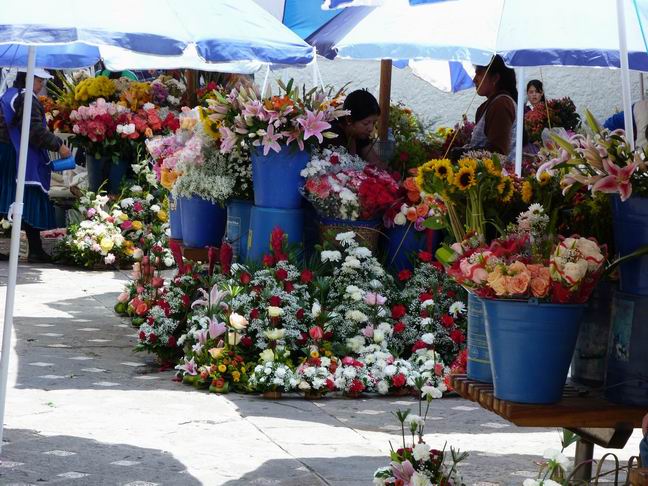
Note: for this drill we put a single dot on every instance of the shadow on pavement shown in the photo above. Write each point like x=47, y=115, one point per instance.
x=31, y=458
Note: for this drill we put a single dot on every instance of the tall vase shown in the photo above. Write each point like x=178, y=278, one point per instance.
x=276, y=177
x=479, y=363
x=531, y=346
x=203, y=222
x=106, y=174
x=630, y=233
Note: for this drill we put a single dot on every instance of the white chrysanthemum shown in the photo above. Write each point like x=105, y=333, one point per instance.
x=457, y=308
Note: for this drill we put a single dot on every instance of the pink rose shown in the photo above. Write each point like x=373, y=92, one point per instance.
x=123, y=297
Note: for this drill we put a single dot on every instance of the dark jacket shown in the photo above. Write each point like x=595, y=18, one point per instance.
x=39, y=136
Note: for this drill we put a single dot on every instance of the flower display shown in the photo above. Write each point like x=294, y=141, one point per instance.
x=317, y=374
x=562, y=113
x=243, y=118
x=353, y=377
x=273, y=375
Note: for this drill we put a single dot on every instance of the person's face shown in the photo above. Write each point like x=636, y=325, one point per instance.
x=533, y=95
x=486, y=84
x=363, y=129
x=38, y=84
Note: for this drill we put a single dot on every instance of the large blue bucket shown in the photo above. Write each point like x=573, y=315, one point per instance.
x=104, y=169
x=238, y=226
x=531, y=346
x=630, y=233
x=276, y=177
x=404, y=241
x=626, y=376
x=175, y=218
x=264, y=220
x=479, y=365
x=203, y=222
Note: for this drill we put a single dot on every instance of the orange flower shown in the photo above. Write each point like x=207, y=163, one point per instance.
x=411, y=214
x=422, y=210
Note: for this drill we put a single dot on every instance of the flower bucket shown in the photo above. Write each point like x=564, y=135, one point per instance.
x=531, y=346
x=588, y=363
x=630, y=233
x=403, y=241
x=104, y=169
x=626, y=375
x=276, y=177
x=367, y=231
x=238, y=227
x=272, y=395
x=175, y=218
x=203, y=222
x=479, y=363
x=353, y=395
x=264, y=220
x=313, y=395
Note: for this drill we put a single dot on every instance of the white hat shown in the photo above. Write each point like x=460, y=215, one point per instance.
x=38, y=72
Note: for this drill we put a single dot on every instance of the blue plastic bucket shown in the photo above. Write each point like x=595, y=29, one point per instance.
x=203, y=222
x=60, y=165
x=630, y=233
x=104, y=169
x=175, y=218
x=238, y=227
x=626, y=376
x=479, y=365
x=404, y=241
x=276, y=177
x=264, y=220
x=531, y=346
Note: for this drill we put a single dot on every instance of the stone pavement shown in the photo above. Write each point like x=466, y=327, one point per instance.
x=84, y=409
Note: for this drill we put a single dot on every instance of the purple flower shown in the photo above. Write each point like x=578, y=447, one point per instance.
x=188, y=367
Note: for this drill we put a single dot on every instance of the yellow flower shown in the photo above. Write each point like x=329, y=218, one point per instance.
x=162, y=215
x=137, y=225
x=314, y=354
x=470, y=163
x=106, y=244
x=506, y=188
x=527, y=192
x=544, y=178
x=328, y=353
x=443, y=169
x=236, y=376
x=465, y=178
x=423, y=172
x=490, y=167
x=222, y=368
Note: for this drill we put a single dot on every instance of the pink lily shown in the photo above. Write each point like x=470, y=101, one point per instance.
x=618, y=180
x=216, y=328
x=294, y=135
x=270, y=141
x=403, y=471
x=188, y=367
x=228, y=139
x=314, y=125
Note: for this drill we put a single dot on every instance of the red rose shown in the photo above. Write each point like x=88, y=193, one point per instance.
x=142, y=336
x=328, y=335
x=438, y=266
x=152, y=338
x=425, y=296
x=306, y=276
x=172, y=342
x=334, y=159
x=281, y=274
x=299, y=314
x=245, y=278
x=316, y=333
x=275, y=300
x=289, y=286
x=302, y=339
x=157, y=282
x=398, y=380
x=398, y=311
x=268, y=260
x=254, y=313
x=356, y=386
x=451, y=294
x=246, y=341
x=424, y=314
x=447, y=320
x=330, y=384
x=425, y=256
x=457, y=336
x=419, y=345
x=185, y=300
x=404, y=275
x=399, y=327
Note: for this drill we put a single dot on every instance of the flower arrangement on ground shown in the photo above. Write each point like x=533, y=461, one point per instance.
x=352, y=377
x=274, y=373
x=293, y=118
x=343, y=186
x=397, y=377
x=316, y=375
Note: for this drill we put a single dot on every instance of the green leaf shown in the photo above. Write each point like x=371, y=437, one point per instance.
x=641, y=251
x=446, y=255
x=592, y=122
x=568, y=438
x=434, y=223
x=564, y=144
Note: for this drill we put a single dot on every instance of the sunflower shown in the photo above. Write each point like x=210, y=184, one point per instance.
x=443, y=169
x=471, y=163
x=490, y=167
x=506, y=188
x=425, y=172
x=465, y=178
x=527, y=192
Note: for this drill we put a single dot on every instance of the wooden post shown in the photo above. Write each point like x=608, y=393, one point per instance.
x=192, y=86
x=384, y=97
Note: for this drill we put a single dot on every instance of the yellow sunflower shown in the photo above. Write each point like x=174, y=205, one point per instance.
x=423, y=175
x=527, y=192
x=465, y=178
x=506, y=188
x=443, y=169
x=490, y=167
x=471, y=163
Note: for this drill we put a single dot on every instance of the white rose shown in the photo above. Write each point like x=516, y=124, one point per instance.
x=275, y=334
x=136, y=189
x=303, y=385
x=274, y=311
x=237, y=321
x=267, y=356
x=400, y=219
x=316, y=309
x=428, y=338
x=349, y=372
x=155, y=208
x=378, y=336
x=421, y=452
x=390, y=370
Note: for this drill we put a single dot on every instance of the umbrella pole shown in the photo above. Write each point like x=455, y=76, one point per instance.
x=15, y=237
x=625, y=73
x=384, y=97
x=519, y=121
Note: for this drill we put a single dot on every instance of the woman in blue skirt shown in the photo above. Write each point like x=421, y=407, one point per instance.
x=38, y=212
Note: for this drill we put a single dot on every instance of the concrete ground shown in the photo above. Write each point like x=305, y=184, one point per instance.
x=84, y=409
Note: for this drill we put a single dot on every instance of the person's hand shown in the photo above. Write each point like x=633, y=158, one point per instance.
x=64, y=151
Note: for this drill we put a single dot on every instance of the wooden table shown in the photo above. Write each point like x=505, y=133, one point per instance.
x=581, y=410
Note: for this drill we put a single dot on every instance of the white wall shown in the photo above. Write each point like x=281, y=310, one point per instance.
x=596, y=89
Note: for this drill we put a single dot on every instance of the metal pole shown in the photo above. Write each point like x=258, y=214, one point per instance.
x=519, y=121
x=384, y=97
x=625, y=73
x=15, y=236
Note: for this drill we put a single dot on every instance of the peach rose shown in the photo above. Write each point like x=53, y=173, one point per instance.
x=497, y=282
x=518, y=284
x=540, y=287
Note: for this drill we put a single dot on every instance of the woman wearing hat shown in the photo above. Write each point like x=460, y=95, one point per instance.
x=38, y=212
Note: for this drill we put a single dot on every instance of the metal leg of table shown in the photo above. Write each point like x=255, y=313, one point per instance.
x=584, y=453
